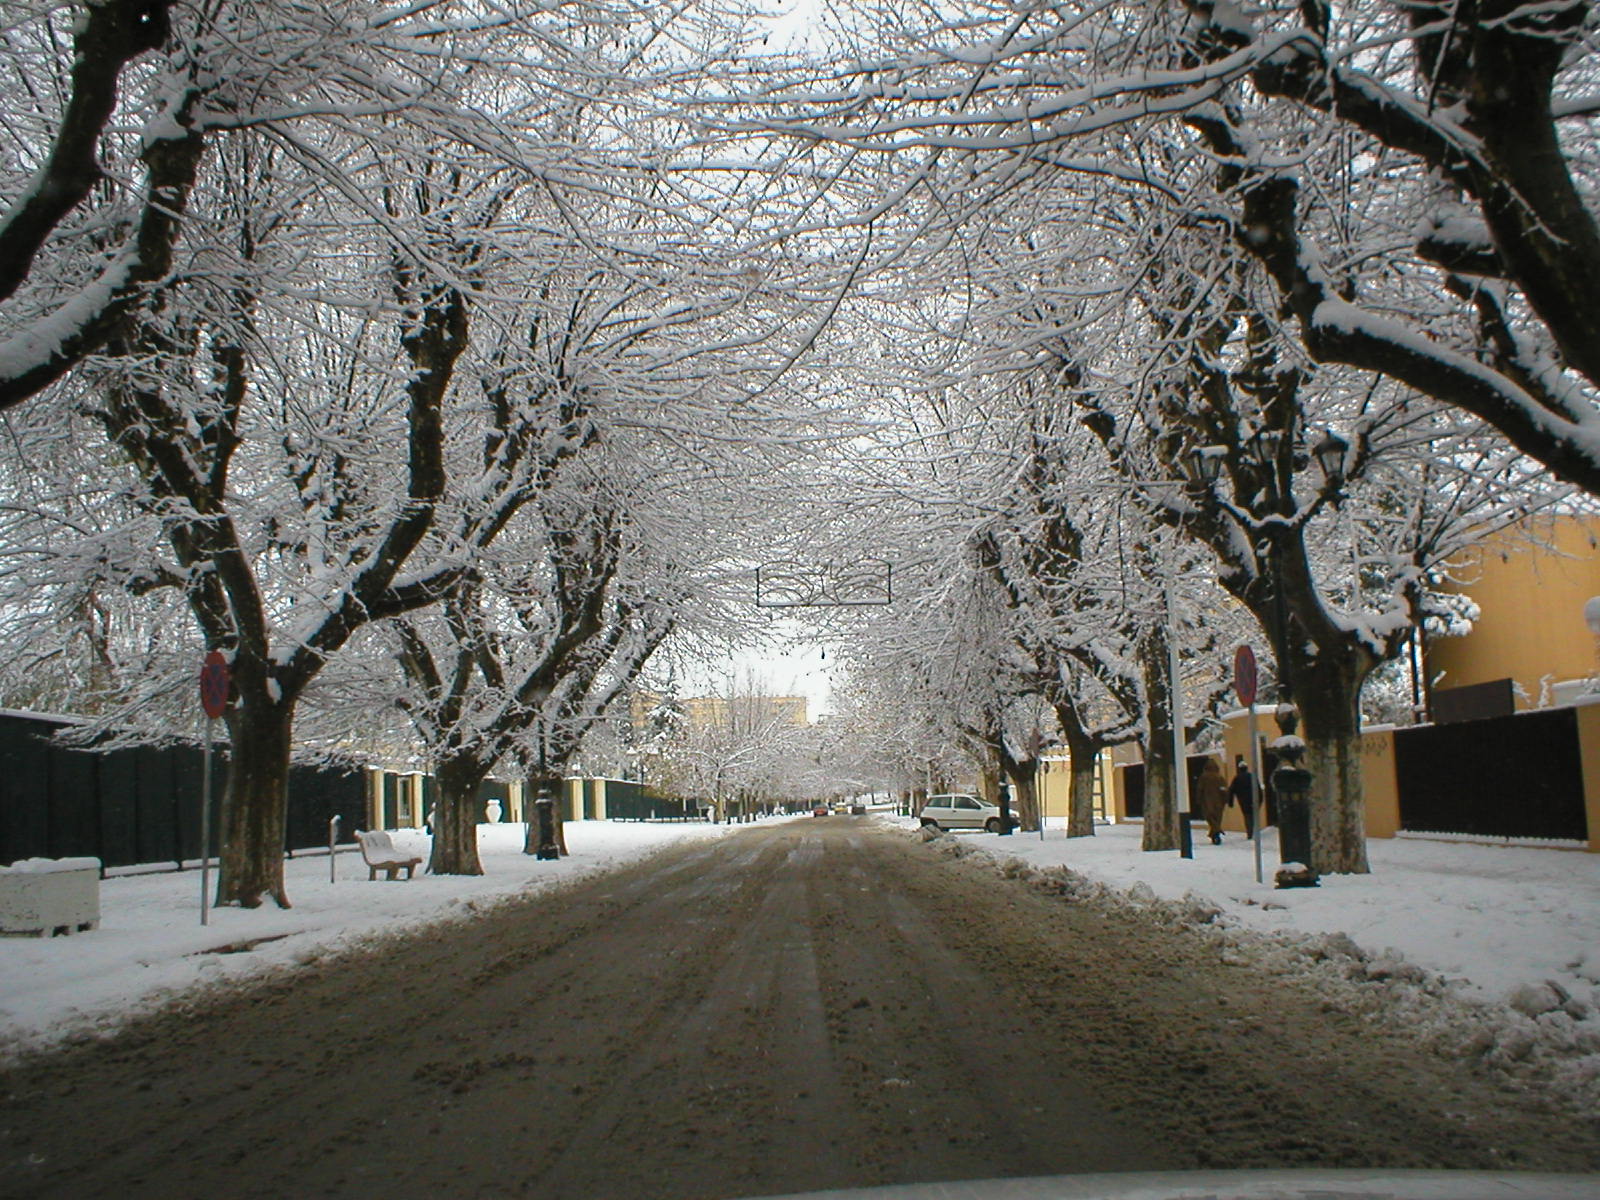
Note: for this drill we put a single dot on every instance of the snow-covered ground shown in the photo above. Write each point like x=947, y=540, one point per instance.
x=1494, y=917
x=151, y=945
x=1487, y=952
x=1509, y=932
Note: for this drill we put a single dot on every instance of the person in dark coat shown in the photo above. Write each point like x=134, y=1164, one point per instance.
x=1243, y=791
x=1211, y=794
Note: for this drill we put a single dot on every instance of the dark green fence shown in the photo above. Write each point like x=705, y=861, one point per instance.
x=140, y=805
x=1516, y=776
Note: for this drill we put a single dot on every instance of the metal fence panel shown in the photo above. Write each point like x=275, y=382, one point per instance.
x=136, y=806
x=1517, y=776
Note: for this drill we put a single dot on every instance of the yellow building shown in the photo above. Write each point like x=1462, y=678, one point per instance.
x=719, y=712
x=1054, y=781
x=1530, y=586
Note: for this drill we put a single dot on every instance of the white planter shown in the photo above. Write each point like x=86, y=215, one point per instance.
x=43, y=896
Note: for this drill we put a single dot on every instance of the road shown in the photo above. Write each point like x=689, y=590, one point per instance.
x=821, y=1004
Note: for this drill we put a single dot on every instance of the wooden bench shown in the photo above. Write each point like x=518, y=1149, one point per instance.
x=381, y=854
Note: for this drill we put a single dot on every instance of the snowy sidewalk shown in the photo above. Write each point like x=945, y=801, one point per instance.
x=1488, y=953
x=1496, y=917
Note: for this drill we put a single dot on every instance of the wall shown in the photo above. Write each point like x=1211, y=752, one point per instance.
x=1532, y=599
x=1055, y=786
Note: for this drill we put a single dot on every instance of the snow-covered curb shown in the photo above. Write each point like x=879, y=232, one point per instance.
x=1537, y=1035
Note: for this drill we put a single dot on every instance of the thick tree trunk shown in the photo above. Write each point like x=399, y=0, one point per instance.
x=256, y=805
x=1026, y=809
x=455, y=817
x=1084, y=753
x=1328, y=695
x=1160, y=820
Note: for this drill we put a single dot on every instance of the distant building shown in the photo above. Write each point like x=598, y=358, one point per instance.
x=721, y=712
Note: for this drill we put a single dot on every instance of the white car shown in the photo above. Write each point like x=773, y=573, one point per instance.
x=960, y=811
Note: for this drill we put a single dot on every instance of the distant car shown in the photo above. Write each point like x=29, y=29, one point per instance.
x=820, y=810
x=960, y=811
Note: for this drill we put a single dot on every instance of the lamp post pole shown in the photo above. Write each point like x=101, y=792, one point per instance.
x=1180, y=760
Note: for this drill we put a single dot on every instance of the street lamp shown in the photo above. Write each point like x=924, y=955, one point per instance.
x=1330, y=453
x=1591, y=618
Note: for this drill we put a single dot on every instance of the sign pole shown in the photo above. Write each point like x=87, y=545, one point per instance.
x=215, y=681
x=1256, y=794
x=1244, y=682
x=205, y=830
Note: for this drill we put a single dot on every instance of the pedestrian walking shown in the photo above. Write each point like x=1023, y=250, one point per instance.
x=1212, y=793
x=1243, y=790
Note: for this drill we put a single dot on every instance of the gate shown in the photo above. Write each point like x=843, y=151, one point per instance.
x=1516, y=776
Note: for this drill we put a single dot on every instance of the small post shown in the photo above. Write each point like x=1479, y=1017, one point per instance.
x=333, y=848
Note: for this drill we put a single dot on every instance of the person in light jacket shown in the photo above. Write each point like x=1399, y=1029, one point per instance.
x=1211, y=793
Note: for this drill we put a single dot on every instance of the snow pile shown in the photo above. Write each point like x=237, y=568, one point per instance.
x=1501, y=958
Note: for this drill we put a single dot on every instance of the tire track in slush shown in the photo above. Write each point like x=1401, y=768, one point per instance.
x=758, y=998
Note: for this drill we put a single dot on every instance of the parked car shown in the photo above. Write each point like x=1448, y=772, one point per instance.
x=960, y=811
x=820, y=810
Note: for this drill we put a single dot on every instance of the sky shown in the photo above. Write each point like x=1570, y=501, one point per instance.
x=801, y=672
x=1480, y=945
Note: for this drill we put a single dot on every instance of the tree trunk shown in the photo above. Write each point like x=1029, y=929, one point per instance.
x=455, y=816
x=1084, y=753
x=1160, y=821
x=1025, y=789
x=255, y=804
x=1328, y=693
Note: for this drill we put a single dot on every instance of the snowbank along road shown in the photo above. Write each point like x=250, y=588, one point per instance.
x=804, y=1006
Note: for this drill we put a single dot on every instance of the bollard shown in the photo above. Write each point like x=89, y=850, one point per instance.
x=333, y=849
x=1292, y=784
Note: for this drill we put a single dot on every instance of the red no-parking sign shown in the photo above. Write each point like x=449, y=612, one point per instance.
x=1244, y=675
x=214, y=684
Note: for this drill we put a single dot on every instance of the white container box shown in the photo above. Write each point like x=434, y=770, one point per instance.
x=43, y=896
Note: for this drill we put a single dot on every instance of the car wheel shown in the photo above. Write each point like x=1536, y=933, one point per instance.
x=992, y=824
x=929, y=823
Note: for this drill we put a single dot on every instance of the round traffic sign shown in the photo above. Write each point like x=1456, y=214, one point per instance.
x=214, y=684
x=1244, y=674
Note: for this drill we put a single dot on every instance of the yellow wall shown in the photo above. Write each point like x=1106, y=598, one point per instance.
x=1054, y=781
x=1055, y=785
x=1378, y=783
x=1380, y=787
x=1532, y=597
x=1589, y=750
